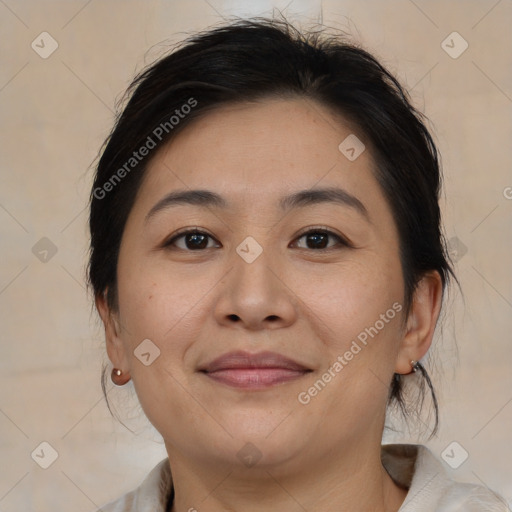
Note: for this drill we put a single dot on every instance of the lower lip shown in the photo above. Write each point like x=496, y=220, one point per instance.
x=254, y=378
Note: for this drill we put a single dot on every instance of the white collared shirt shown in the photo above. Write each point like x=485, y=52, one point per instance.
x=430, y=489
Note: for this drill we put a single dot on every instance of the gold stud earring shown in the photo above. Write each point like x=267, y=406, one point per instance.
x=117, y=378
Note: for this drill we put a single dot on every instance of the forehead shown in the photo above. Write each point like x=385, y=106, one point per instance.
x=255, y=152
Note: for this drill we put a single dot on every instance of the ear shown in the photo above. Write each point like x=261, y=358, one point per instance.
x=115, y=348
x=421, y=321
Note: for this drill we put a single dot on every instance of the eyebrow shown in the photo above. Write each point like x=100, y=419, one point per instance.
x=207, y=198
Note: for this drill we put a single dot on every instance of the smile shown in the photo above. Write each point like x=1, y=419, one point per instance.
x=253, y=371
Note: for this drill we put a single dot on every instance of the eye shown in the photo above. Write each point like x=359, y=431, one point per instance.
x=318, y=239
x=195, y=240
x=192, y=240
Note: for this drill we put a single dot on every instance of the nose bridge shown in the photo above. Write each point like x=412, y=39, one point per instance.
x=252, y=272
x=254, y=292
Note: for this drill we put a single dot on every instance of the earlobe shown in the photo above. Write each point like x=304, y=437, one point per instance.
x=421, y=322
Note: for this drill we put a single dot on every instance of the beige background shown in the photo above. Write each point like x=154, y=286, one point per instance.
x=55, y=113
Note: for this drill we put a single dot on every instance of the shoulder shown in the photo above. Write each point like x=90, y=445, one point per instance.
x=151, y=495
x=430, y=487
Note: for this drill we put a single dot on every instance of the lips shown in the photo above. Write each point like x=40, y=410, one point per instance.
x=244, y=370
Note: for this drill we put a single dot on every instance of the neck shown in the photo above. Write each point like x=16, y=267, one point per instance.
x=354, y=481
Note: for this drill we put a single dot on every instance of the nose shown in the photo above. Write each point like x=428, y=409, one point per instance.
x=257, y=295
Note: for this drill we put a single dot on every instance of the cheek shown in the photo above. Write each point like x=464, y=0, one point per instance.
x=165, y=309
x=351, y=297
x=155, y=301
x=356, y=313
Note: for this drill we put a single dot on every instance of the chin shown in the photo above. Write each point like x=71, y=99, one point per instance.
x=265, y=438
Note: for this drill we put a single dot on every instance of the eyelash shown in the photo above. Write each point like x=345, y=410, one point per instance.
x=343, y=242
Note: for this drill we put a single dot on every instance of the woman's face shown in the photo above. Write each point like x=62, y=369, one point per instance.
x=252, y=281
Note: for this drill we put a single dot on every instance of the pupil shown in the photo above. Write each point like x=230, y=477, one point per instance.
x=197, y=238
x=318, y=238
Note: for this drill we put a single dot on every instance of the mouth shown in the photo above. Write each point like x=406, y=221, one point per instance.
x=253, y=371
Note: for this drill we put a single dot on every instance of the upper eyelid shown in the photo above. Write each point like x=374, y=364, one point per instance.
x=344, y=240
x=187, y=231
x=318, y=229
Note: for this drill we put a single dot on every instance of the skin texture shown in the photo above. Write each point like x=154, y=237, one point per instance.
x=305, y=303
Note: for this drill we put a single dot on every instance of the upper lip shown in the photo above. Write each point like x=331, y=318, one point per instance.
x=240, y=359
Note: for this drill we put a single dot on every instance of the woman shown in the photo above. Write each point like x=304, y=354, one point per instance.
x=268, y=263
